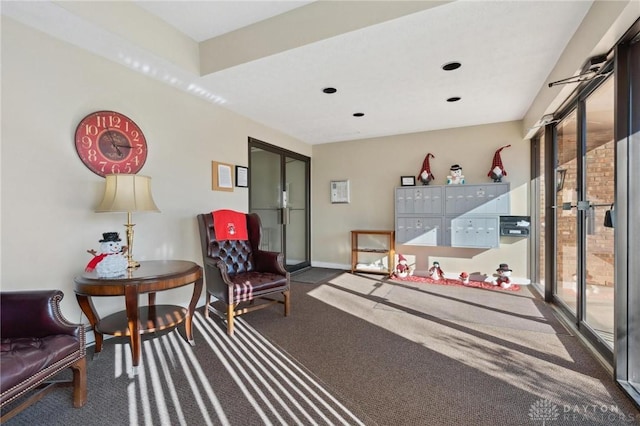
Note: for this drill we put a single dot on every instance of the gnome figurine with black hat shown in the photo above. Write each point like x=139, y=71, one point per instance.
x=504, y=273
x=111, y=261
x=497, y=171
x=425, y=176
x=456, y=176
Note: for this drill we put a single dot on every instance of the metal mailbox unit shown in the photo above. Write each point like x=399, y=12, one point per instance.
x=451, y=215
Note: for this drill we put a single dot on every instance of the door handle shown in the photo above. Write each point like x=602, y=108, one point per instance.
x=284, y=216
x=582, y=205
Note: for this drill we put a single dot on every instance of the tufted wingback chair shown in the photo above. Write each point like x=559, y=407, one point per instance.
x=238, y=273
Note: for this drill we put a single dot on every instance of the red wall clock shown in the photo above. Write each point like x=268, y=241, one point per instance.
x=108, y=142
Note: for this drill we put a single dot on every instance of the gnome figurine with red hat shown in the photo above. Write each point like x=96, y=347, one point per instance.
x=497, y=171
x=402, y=268
x=464, y=278
x=425, y=176
x=504, y=273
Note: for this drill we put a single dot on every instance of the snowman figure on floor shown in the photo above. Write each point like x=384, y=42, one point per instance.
x=402, y=268
x=435, y=272
x=111, y=261
x=503, y=279
x=456, y=177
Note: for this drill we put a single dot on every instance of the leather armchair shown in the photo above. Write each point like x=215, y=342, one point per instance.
x=238, y=273
x=37, y=342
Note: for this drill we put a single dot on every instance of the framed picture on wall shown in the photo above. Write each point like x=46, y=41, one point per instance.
x=221, y=177
x=407, y=181
x=242, y=176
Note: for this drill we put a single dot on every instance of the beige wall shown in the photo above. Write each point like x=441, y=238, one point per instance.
x=373, y=168
x=48, y=195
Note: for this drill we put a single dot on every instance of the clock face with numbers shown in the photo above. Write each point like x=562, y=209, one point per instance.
x=109, y=142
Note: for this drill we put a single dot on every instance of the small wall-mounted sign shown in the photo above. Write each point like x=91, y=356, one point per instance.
x=340, y=192
x=407, y=181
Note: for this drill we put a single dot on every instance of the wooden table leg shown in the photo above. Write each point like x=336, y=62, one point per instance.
x=86, y=304
x=131, y=301
x=188, y=322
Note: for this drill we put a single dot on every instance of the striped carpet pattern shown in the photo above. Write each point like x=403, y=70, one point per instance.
x=222, y=380
x=277, y=388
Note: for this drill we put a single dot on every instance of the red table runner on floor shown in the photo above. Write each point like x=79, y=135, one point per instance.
x=454, y=282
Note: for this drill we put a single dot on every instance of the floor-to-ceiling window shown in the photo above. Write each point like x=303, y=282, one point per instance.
x=627, y=147
x=589, y=156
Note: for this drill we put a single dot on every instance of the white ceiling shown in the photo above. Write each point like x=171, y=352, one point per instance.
x=390, y=71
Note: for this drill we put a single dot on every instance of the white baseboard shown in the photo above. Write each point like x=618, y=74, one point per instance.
x=331, y=265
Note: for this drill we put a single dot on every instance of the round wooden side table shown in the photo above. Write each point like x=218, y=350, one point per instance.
x=151, y=277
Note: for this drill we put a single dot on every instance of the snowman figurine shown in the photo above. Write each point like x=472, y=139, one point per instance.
x=402, y=268
x=464, y=278
x=504, y=273
x=456, y=177
x=435, y=273
x=111, y=261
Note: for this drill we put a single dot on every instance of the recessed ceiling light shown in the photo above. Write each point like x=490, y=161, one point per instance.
x=329, y=90
x=358, y=114
x=454, y=99
x=451, y=66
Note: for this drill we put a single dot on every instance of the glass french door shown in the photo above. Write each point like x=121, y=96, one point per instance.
x=592, y=156
x=585, y=176
x=600, y=192
x=279, y=182
x=566, y=285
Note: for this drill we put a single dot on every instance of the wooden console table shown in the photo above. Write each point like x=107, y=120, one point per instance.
x=150, y=277
x=388, y=251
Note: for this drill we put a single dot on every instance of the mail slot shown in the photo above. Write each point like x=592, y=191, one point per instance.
x=515, y=226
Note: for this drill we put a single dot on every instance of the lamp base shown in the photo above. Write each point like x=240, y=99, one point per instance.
x=132, y=264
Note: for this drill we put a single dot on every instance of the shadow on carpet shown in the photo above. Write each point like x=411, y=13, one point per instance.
x=222, y=380
x=315, y=275
x=422, y=300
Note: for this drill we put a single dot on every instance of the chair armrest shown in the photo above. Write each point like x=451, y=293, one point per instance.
x=217, y=278
x=269, y=261
x=34, y=314
x=217, y=269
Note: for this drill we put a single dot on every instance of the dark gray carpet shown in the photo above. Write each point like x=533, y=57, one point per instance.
x=315, y=275
x=519, y=310
x=362, y=351
x=244, y=380
x=404, y=365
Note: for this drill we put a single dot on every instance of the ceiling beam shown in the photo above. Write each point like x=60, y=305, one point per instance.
x=308, y=24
